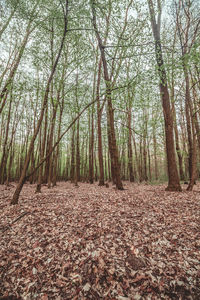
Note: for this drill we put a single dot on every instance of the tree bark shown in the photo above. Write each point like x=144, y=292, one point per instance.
x=91, y=147
x=44, y=104
x=130, y=150
x=72, y=166
x=99, y=114
x=110, y=112
x=77, y=153
x=173, y=177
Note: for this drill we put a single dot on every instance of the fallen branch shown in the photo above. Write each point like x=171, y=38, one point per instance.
x=17, y=219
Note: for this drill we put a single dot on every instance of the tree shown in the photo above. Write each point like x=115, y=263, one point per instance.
x=173, y=178
x=187, y=32
x=44, y=104
x=110, y=114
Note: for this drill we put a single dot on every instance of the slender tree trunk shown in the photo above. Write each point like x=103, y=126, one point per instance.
x=188, y=32
x=136, y=157
x=194, y=160
x=72, y=168
x=178, y=149
x=195, y=116
x=130, y=151
x=99, y=114
x=86, y=159
x=191, y=132
x=145, y=145
x=91, y=147
x=39, y=182
x=149, y=159
x=5, y=91
x=78, y=159
x=61, y=136
x=10, y=165
x=50, y=173
x=5, y=151
x=91, y=132
x=44, y=104
x=141, y=172
x=54, y=179
x=110, y=113
x=59, y=126
x=42, y=151
x=173, y=177
x=155, y=153
x=9, y=19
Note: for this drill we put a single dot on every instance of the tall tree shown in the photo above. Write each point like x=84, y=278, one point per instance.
x=187, y=36
x=173, y=177
x=44, y=104
x=110, y=113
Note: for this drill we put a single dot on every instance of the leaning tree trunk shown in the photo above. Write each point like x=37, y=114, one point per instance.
x=37, y=128
x=60, y=138
x=5, y=91
x=4, y=27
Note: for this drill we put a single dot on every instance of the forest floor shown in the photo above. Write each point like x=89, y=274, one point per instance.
x=92, y=242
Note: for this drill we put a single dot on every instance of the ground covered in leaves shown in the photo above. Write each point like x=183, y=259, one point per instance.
x=92, y=242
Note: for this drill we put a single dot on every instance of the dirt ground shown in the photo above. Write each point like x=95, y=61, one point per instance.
x=92, y=242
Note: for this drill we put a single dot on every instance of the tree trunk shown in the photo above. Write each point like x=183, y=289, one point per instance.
x=72, y=168
x=50, y=174
x=191, y=131
x=155, y=153
x=110, y=113
x=5, y=90
x=77, y=153
x=130, y=150
x=91, y=147
x=173, y=178
x=145, y=145
x=5, y=151
x=178, y=149
x=44, y=104
x=99, y=114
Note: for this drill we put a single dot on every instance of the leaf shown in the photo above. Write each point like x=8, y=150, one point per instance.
x=86, y=287
x=34, y=271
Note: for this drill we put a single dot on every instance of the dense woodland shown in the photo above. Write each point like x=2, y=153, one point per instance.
x=97, y=91
x=99, y=134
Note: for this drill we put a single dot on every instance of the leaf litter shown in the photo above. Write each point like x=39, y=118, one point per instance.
x=93, y=242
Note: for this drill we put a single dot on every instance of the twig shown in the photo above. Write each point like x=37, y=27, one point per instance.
x=17, y=219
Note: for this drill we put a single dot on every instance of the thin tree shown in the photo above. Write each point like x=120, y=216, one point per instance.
x=110, y=113
x=173, y=177
x=44, y=104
